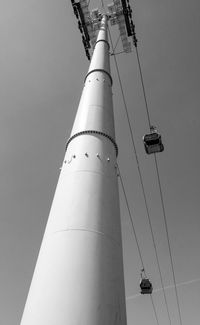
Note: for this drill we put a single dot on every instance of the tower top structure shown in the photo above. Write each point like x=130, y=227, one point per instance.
x=119, y=13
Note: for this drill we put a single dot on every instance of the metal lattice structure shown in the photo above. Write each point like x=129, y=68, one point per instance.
x=119, y=13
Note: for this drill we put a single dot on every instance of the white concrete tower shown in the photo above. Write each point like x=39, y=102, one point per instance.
x=78, y=279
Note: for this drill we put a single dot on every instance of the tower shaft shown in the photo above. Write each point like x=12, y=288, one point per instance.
x=78, y=279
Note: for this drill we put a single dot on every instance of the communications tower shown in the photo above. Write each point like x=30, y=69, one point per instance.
x=78, y=278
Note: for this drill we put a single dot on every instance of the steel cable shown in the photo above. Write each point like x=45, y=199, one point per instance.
x=168, y=240
x=136, y=239
x=141, y=180
x=132, y=138
x=131, y=219
x=161, y=196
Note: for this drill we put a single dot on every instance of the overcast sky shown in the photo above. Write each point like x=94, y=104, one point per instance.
x=42, y=71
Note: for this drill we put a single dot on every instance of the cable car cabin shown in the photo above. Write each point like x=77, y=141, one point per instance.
x=153, y=143
x=146, y=286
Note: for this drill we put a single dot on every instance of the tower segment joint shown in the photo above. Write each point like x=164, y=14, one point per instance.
x=93, y=132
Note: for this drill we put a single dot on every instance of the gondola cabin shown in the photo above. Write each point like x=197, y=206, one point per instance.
x=153, y=143
x=146, y=286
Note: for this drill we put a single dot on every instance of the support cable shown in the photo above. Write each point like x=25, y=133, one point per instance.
x=136, y=239
x=131, y=219
x=143, y=88
x=154, y=308
x=132, y=138
x=141, y=181
x=161, y=195
x=134, y=147
x=168, y=240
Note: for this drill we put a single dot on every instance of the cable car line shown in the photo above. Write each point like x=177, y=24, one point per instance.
x=136, y=239
x=133, y=142
x=156, y=253
x=142, y=82
x=131, y=219
x=168, y=240
x=141, y=179
x=152, y=142
x=159, y=184
x=166, y=288
x=156, y=316
x=134, y=147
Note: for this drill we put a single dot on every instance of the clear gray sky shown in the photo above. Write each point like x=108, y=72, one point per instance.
x=42, y=71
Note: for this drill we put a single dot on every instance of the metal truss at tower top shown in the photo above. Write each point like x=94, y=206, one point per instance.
x=119, y=13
